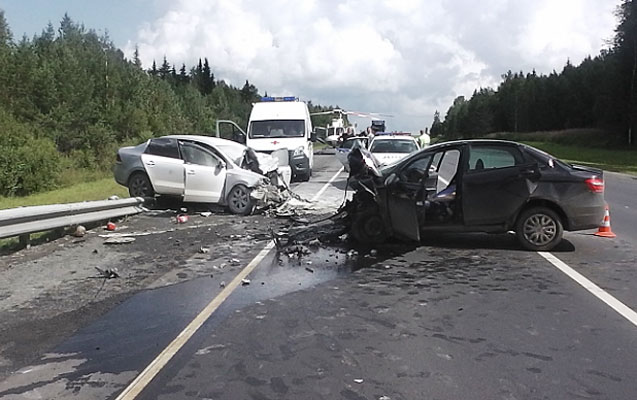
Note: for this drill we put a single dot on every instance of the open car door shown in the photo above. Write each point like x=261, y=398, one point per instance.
x=227, y=129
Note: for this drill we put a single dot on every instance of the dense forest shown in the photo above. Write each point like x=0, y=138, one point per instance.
x=597, y=93
x=69, y=99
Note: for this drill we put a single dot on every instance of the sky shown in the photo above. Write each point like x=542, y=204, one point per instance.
x=407, y=58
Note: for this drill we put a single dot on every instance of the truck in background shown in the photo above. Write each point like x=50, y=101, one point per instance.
x=277, y=123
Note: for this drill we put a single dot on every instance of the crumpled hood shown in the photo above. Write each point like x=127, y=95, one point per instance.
x=267, y=163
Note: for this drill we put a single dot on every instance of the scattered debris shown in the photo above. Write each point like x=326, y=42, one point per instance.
x=308, y=269
x=95, y=251
x=222, y=284
x=111, y=226
x=358, y=380
x=384, y=398
x=108, y=273
x=352, y=253
x=80, y=231
x=245, y=281
x=183, y=209
x=373, y=252
x=204, y=250
x=182, y=219
x=205, y=214
x=235, y=261
x=119, y=240
x=113, y=197
x=314, y=243
x=343, y=237
x=387, y=266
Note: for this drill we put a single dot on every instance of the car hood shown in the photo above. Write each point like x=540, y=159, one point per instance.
x=271, y=162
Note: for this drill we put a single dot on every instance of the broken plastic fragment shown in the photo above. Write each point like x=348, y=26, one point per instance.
x=245, y=281
x=358, y=380
x=204, y=250
x=205, y=213
x=352, y=253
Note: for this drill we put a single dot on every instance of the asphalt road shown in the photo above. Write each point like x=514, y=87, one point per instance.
x=458, y=317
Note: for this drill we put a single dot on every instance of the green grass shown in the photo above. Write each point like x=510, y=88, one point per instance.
x=98, y=189
x=608, y=159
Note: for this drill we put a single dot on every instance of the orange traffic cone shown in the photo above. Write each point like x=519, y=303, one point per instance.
x=604, y=228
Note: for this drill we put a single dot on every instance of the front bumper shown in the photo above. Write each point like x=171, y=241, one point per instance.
x=300, y=164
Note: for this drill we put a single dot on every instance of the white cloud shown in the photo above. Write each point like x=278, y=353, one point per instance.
x=407, y=57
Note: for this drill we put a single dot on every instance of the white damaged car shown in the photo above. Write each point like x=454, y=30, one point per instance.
x=201, y=169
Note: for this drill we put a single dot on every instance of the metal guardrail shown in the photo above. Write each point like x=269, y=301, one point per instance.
x=23, y=221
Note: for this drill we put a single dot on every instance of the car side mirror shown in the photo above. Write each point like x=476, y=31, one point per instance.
x=313, y=136
x=222, y=164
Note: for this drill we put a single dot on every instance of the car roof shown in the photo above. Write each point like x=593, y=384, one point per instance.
x=211, y=140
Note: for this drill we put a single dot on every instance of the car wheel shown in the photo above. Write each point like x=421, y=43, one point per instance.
x=539, y=229
x=139, y=185
x=304, y=177
x=368, y=227
x=239, y=200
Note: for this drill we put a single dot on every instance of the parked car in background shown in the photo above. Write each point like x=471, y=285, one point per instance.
x=474, y=186
x=199, y=169
x=390, y=148
x=343, y=148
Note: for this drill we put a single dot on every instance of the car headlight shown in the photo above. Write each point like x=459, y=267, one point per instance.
x=298, y=151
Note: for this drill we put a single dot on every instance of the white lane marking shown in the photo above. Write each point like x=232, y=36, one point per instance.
x=147, y=375
x=324, y=188
x=598, y=292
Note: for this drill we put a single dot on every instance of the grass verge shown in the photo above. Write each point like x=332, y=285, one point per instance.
x=608, y=159
x=98, y=189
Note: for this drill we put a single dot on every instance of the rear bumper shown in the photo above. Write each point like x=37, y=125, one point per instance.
x=586, y=216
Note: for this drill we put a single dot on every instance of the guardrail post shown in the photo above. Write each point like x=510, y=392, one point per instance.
x=25, y=240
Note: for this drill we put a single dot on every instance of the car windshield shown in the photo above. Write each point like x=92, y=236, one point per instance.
x=349, y=143
x=393, y=146
x=276, y=129
x=233, y=152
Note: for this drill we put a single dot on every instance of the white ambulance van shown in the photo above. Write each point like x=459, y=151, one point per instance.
x=281, y=123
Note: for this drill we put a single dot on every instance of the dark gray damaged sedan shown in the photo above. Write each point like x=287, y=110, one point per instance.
x=489, y=186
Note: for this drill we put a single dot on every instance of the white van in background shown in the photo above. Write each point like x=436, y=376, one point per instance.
x=278, y=123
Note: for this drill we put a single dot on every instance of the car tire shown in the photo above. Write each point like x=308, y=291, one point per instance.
x=539, y=229
x=239, y=200
x=368, y=227
x=139, y=185
x=305, y=176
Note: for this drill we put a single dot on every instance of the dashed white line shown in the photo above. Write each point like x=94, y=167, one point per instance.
x=598, y=292
x=324, y=188
x=149, y=373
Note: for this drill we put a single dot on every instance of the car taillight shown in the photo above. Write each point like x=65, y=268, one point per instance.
x=595, y=185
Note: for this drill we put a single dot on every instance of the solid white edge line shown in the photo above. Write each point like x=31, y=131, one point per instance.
x=598, y=292
x=324, y=188
x=148, y=374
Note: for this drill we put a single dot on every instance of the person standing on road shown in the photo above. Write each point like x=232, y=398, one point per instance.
x=424, y=139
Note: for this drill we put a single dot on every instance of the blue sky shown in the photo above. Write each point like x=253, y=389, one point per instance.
x=121, y=18
x=407, y=58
